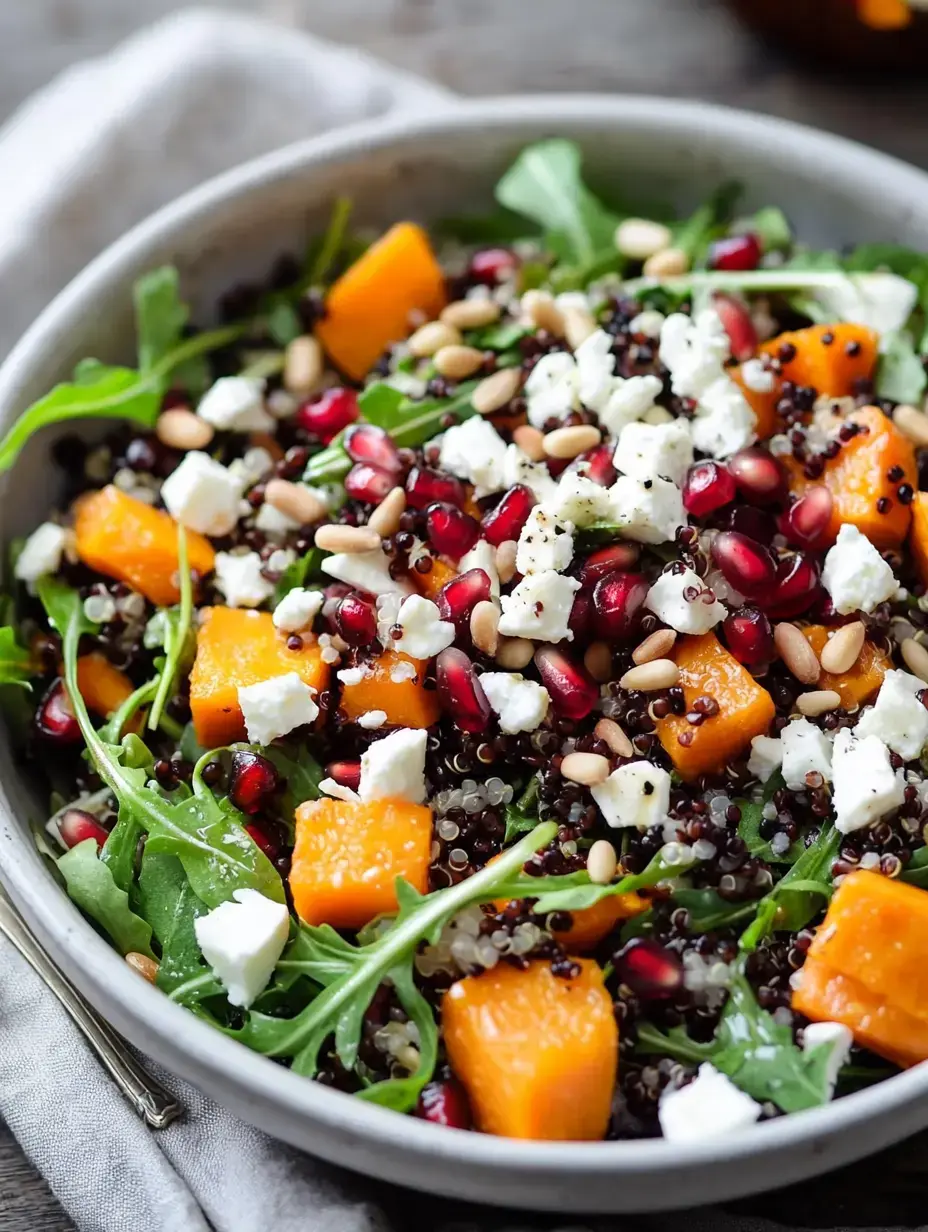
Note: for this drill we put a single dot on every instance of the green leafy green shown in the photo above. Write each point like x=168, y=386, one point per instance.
x=16, y=665
x=595, y=534
x=771, y=227
x=178, y=637
x=752, y=815
x=522, y=814
x=161, y=317
x=167, y=901
x=91, y=885
x=330, y=247
x=497, y=337
x=302, y=772
x=710, y=220
x=900, y=374
x=305, y=571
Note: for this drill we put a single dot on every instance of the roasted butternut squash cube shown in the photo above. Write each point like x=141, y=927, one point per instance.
x=590, y=925
x=103, y=687
x=430, y=584
x=830, y=358
x=763, y=402
x=918, y=536
x=746, y=709
x=537, y=1054
x=237, y=647
x=395, y=684
x=124, y=538
x=349, y=854
x=857, y=686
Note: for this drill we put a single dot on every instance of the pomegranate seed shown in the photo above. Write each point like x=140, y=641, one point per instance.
x=795, y=588
x=707, y=487
x=573, y=690
x=458, y=598
x=618, y=604
x=326, y=415
x=649, y=969
x=451, y=530
x=735, y=252
x=760, y=476
x=806, y=520
x=607, y=560
x=55, y=718
x=492, y=265
x=424, y=486
x=334, y=594
x=459, y=691
x=356, y=620
x=581, y=614
x=736, y=319
x=755, y=523
x=75, y=826
x=444, y=1103
x=597, y=464
x=745, y=564
x=253, y=778
x=347, y=773
x=749, y=636
x=269, y=845
x=510, y=515
x=368, y=483
x=368, y=443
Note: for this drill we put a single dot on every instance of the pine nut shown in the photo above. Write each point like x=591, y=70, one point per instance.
x=579, y=324
x=796, y=653
x=842, y=650
x=531, y=441
x=543, y=312
x=649, y=677
x=514, y=653
x=295, y=500
x=471, y=313
x=303, y=365
x=590, y=769
x=336, y=538
x=571, y=442
x=609, y=732
x=432, y=337
x=181, y=429
x=385, y=519
x=912, y=423
x=601, y=862
x=667, y=263
x=819, y=701
x=496, y=391
x=657, y=646
x=640, y=238
x=916, y=658
x=598, y=661
x=457, y=362
x=146, y=967
x=656, y=415
x=484, y=627
x=506, y=560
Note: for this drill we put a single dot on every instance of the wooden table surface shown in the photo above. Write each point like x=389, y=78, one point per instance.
x=679, y=47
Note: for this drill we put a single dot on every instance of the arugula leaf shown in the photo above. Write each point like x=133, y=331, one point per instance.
x=16, y=665
x=499, y=227
x=91, y=885
x=306, y=569
x=283, y=323
x=752, y=814
x=178, y=638
x=302, y=772
x=522, y=814
x=595, y=534
x=916, y=871
x=168, y=903
x=708, y=911
x=900, y=374
x=771, y=227
x=497, y=337
x=331, y=244
x=160, y=316
x=694, y=235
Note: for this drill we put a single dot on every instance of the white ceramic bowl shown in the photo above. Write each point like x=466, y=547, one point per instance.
x=232, y=228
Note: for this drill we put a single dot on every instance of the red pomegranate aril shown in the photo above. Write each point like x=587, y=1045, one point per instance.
x=368, y=443
x=269, y=845
x=807, y=519
x=356, y=620
x=760, y=476
x=346, y=773
x=795, y=588
x=328, y=414
x=444, y=1103
x=597, y=464
x=736, y=319
x=368, y=483
x=450, y=530
x=460, y=693
x=55, y=719
x=708, y=486
x=458, y=598
x=618, y=605
x=745, y=564
x=749, y=636
x=506, y=520
x=581, y=614
x=75, y=826
x=735, y=252
x=252, y=780
x=492, y=265
x=425, y=486
x=573, y=690
x=755, y=523
x=649, y=969
x=608, y=560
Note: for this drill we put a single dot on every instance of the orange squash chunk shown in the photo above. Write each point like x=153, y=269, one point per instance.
x=236, y=647
x=827, y=367
x=857, y=686
x=102, y=686
x=868, y=966
x=857, y=478
x=762, y=403
x=746, y=709
x=430, y=584
x=918, y=535
x=371, y=304
x=124, y=538
x=537, y=1054
x=591, y=924
x=406, y=701
x=348, y=855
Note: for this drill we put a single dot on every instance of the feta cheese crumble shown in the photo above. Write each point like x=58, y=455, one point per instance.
x=474, y=451
x=242, y=941
x=395, y=766
x=298, y=609
x=202, y=495
x=708, y=1107
x=693, y=349
x=579, y=500
x=866, y=787
x=271, y=708
x=648, y=510
x=236, y=404
x=636, y=794
x=482, y=556
x=425, y=634
x=684, y=602
x=519, y=468
x=766, y=757
x=855, y=574
x=837, y=1038
x=806, y=750
x=645, y=450
x=41, y=553
x=368, y=571
x=898, y=718
x=724, y=421
x=521, y=705
x=544, y=543
x=550, y=391
x=539, y=607
x=238, y=576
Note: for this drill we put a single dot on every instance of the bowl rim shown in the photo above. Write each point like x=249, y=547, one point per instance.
x=185, y=1043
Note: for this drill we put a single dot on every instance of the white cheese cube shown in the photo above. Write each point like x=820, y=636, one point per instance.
x=579, y=500
x=631, y=399
x=648, y=510
x=242, y=942
x=636, y=794
x=544, y=543
x=298, y=609
x=236, y=404
x=648, y=323
x=693, y=349
x=866, y=787
x=684, y=602
x=898, y=718
x=41, y=552
x=806, y=750
x=725, y=421
x=550, y=391
x=521, y=705
x=273, y=523
x=475, y=451
x=645, y=450
x=855, y=574
x=372, y=719
x=368, y=571
x=395, y=766
x=539, y=607
x=273, y=707
x=766, y=757
x=881, y=301
x=202, y=495
x=238, y=576
x=834, y=1036
x=519, y=468
x=710, y=1106
x=595, y=365
x=425, y=634
x=482, y=556
x=757, y=376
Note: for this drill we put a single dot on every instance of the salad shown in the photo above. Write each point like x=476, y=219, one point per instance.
x=486, y=673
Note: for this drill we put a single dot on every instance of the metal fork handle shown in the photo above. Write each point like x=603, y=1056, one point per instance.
x=156, y=1106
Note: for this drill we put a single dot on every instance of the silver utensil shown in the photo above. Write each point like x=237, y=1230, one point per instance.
x=156, y=1106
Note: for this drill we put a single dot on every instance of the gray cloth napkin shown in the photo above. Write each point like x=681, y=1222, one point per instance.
x=118, y=137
